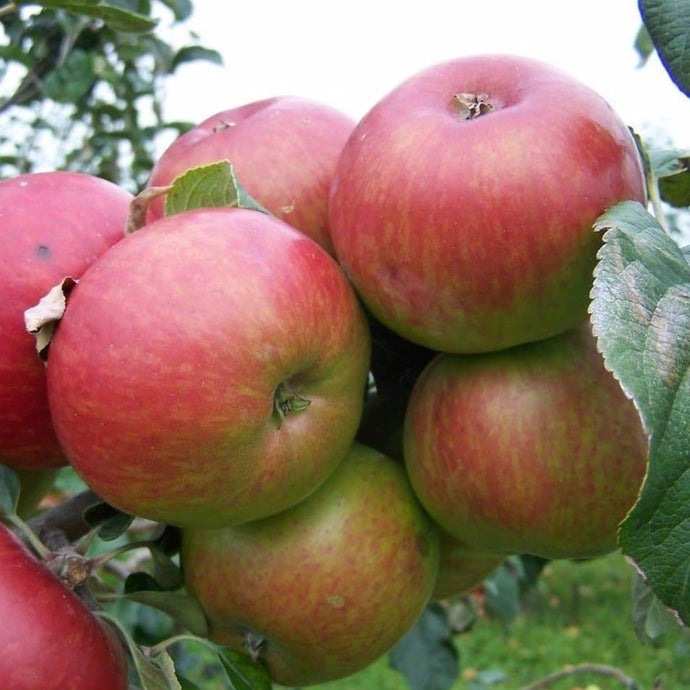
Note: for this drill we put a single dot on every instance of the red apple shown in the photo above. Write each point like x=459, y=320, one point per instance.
x=284, y=151
x=49, y=639
x=52, y=225
x=322, y=590
x=463, y=202
x=209, y=369
x=533, y=449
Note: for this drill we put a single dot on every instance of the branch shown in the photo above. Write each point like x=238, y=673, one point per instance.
x=8, y=9
x=64, y=523
x=601, y=669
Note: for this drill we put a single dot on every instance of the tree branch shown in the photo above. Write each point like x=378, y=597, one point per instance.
x=600, y=669
x=64, y=524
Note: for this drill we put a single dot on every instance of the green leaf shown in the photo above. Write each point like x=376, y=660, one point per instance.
x=191, y=53
x=154, y=674
x=208, y=186
x=182, y=608
x=114, y=523
x=502, y=591
x=166, y=572
x=668, y=24
x=640, y=312
x=643, y=45
x=10, y=487
x=427, y=656
x=651, y=619
x=117, y=18
x=672, y=170
x=71, y=80
x=187, y=684
x=243, y=672
x=181, y=9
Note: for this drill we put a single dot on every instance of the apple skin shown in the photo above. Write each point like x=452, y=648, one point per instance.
x=284, y=151
x=461, y=569
x=50, y=640
x=163, y=372
x=534, y=449
x=329, y=585
x=52, y=225
x=473, y=235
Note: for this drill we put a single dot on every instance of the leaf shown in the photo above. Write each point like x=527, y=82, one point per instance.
x=640, y=313
x=191, y=53
x=117, y=18
x=154, y=674
x=181, y=607
x=643, y=45
x=72, y=79
x=10, y=487
x=651, y=619
x=243, y=672
x=502, y=591
x=166, y=572
x=427, y=656
x=181, y=9
x=675, y=187
x=186, y=684
x=208, y=186
x=114, y=523
x=668, y=24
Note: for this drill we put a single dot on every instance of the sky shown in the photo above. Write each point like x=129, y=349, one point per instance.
x=350, y=54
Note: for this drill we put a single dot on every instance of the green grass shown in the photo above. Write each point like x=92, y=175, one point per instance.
x=580, y=612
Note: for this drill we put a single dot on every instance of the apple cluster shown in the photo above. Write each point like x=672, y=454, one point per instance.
x=360, y=397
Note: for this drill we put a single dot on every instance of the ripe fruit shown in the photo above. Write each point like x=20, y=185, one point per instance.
x=321, y=590
x=533, y=449
x=209, y=369
x=284, y=151
x=463, y=202
x=52, y=225
x=49, y=639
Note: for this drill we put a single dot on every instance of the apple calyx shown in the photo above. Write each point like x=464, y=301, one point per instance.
x=286, y=401
x=253, y=643
x=469, y=106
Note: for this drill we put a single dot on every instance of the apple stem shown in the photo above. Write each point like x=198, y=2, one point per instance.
x=286, y=401
x=139, y=207
x=470, y=106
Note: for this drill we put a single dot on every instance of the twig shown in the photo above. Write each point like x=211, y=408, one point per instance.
x=8, y=9
x=64, y=523
x=601, y=669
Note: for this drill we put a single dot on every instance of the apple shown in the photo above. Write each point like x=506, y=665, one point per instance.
x=461, y=569
x=533, y=449
x=52, y=225
x=209, y=369
x=284, y=151
x=50, y=640
x=322, y=590
x=463, y=202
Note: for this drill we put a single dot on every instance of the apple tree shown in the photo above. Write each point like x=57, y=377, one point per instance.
x=83, y=83
x=257, y=459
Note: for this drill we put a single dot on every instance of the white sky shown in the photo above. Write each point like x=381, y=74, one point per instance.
x=349, y=54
